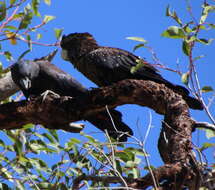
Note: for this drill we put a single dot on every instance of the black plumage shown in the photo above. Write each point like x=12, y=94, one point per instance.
x=35, y=77
x=106, y=65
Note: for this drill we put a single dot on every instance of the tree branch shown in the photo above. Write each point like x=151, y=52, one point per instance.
x=7, y=86
x=174, y=145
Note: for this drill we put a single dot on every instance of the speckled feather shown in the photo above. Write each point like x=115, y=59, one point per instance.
x=106, y=65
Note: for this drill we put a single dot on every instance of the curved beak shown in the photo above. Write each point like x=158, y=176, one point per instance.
x=64, y=55
x=25, y=83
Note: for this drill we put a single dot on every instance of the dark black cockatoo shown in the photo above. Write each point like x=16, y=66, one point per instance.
x=106, y=65
x=36, y=77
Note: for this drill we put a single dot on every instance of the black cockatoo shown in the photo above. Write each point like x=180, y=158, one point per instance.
x=106, y=65
x=36, y=77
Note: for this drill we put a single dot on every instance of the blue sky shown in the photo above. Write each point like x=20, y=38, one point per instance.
x=110, y=22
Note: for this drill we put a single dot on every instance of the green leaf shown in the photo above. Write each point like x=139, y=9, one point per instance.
x=174, y=32
x=135, y=172
x=168, y=12
x=187, y=29
x=35, y=6
x=186, y=47
x=28, y=38
x=11, y=27
x=136, y=151
x=39, y=36
x=90, y=138
x=4, y=158
x=212, y=25
x=149, y=167
x=176, y=18
x=45, y=185
x=26, y=20
x=125, y=156
x=8, y=55
x=54, y=134
x=71, y=145
x=49, y=137
x=198, y=57
x=207, y=145
x=206, y=10
x=1, y=67
x=185, y=78
x=28, y=126
x=139, y=65
x=23, y=54
x=2, y=143
x=138, y=46
x=12, y=2
x=18, y=147
x=47, y=2
x=173, y=15
x=6, y=174
x=130, y=164
x=58, y=32
x=3, y=10
x=20, y=185
x=18, y=16
x=205, y=41
x=38, y=145
x=48, y=18
x=11, y=36
x=62, y=186
x=207, y=89
x=210, y=133
x=118, y=166
x=4, y=186
x=138, y=39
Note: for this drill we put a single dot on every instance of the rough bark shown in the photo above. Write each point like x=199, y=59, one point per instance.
x=175, y=146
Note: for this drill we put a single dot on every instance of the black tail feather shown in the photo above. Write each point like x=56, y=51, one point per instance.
x=182, y=90
x=103, y=122
x=193, y=103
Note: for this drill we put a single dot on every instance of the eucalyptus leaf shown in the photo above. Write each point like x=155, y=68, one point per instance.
x=48, y=18
x=26, y=20
x=207, y=89
x=138, y=46
x=186, y=47
x=138, y=39
x=3, y=10
x=174, y=32
x=23, y=54
x=185, y=78
x=35, y=6
x=58, y=32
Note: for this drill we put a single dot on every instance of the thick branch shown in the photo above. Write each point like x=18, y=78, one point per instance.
x=7, y=86
x=175, y=140
x=145, y=93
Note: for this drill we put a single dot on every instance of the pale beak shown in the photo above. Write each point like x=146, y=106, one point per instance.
x=25, y=83
x=64, y=55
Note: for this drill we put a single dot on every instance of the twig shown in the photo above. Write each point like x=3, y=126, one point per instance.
x=9, y=19
x=105, y=179
x=148, y=128
x=204, y=125
x=114, y=163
